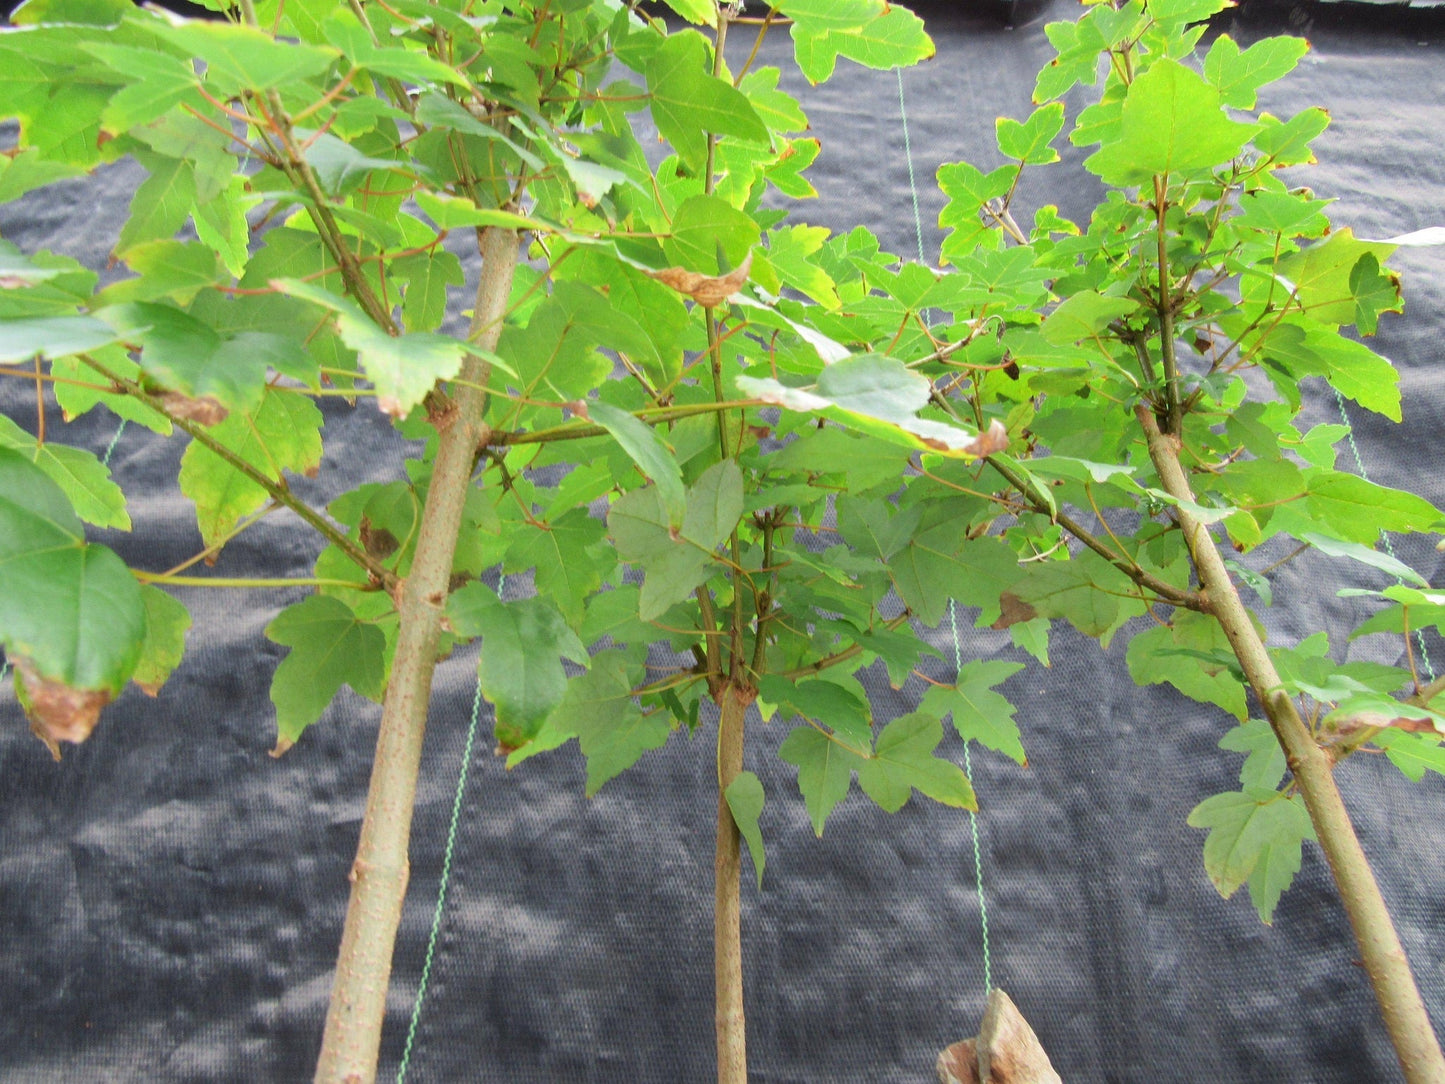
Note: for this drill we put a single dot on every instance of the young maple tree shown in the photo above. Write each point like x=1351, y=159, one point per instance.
x=306, y=166
x=1148, y=369
x=940, y=431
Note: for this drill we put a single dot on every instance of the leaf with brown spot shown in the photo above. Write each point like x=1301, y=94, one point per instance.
x=1014, y=611
x=205, y=410
x=1343, y=724
x=378, y=541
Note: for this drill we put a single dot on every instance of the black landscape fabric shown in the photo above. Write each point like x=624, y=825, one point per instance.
x=171, y=897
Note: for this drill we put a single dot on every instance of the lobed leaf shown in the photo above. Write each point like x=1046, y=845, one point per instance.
x=282, y=433
x=520, y=670
x=979, y=713
x=1173, y=124
x=330, y=647
x=688, y=101
x=69, y=608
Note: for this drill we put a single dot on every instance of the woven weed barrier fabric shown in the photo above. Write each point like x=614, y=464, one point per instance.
x=171, y=897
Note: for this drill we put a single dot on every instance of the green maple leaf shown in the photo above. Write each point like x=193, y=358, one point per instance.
x=979, y=713
x=825, y=770
x=330, y=647
x=1173, y=123
x=705, y=226
x=598, y=709
x=187, y=355
x=1240, y=75
x=403, y=367
x=1254, y=837
x=745, y=800
x=523, y=644
x=841, y=710
x=1175, y=653
x=676, y=562
x=1085, y=591
x=84, y=478
x=1413, y=754
x=1264, y=766
x=283, y=433
x=652, y=456
x=567, y=563
x=1028, y=141
x=688, y=101
x=70, y=607
x=1374, y=292
x=1326, y=277
x=165, y=641
x=554, y=355
x=870, y=32
x=903, y=761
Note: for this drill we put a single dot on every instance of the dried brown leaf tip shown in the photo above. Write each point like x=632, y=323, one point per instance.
x=57, y=712
x=203, y=411
x=993, y=439
x=707, y=290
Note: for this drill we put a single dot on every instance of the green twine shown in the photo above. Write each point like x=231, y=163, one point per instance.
x=1384, y=537
x=973, y=816
x=952, y=607
x=908, y=157
x=110, y=448
x=436, y=919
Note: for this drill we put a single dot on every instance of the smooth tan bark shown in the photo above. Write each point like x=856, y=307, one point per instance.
x=732, y=1053
x=1381, y=953
x=381, y=870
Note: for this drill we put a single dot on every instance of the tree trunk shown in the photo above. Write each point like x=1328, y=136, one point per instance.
x=1380, y=950
x=732, y=1056
x=379, y=875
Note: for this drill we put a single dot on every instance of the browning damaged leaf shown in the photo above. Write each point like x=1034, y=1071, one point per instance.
x=1013, y=611
x=993, y=439
x=57, y=712
x=1343, y=725
x=378, y=541
x=205, y=410
x=706, y=290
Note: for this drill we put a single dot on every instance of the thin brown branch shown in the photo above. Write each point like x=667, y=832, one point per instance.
x=278, y=491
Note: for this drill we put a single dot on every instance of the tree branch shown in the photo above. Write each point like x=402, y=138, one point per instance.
x=1165, y=592
x=1380, y=949
x=278, y=491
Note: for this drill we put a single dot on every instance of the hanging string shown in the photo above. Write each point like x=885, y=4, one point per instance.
x=1384, y=536
x=972, y=815
x=908, y=157
x=952, y=606
x=446, y=875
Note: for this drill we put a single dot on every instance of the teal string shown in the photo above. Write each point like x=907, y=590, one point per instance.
x=1384, y=536
x=908, y=156
x=110, y=448
x=952, y=607
x=445, y=880
x=973, y=817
